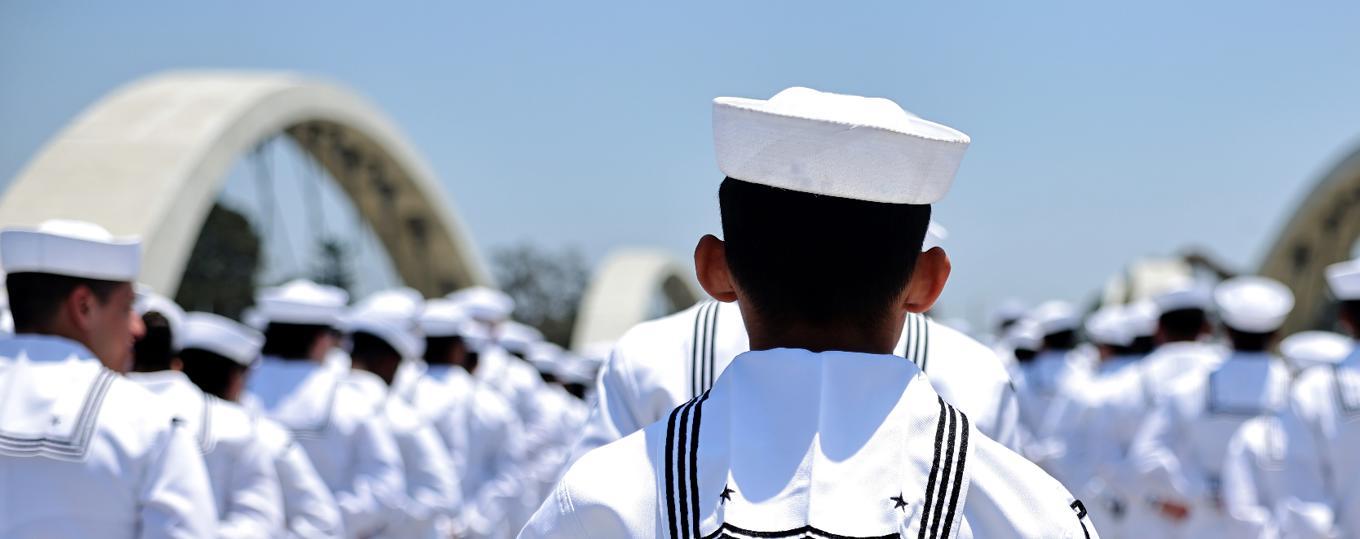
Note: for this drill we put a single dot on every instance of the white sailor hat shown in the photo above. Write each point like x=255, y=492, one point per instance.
x=1025, y=335
x=70, y=248
x=518, y=338
x=1056, y=317
x=484, y=304
x=442, y=318
x=1109, y=326
x=475, y=335
x=545, y=356
x=1313, y=348
x=572, y=369
x=404, y=303
x=6, y=317
x=1010, y=310
x=1141, y=318
x=150, y=302
x=1344, y=280
x=1253, y=304
x=302, y=302
x=836, y=145
x=1187, y=294
x=400, y=334
x=221, y=336
x=936, y=233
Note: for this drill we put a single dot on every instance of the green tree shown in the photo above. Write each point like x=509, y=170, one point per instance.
x=220, y=274
x=547, y=286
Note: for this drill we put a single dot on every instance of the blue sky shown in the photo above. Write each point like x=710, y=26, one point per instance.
x=1102, y=131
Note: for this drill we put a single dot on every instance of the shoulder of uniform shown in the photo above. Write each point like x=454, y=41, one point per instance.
x=648, y=338
x=1009, y=496
x=965, y=352
x=231, y=422
x=612, y=487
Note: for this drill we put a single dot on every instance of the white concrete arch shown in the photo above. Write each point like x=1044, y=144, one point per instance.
x=149, y=159
x=623, y=292
x=1322, y=231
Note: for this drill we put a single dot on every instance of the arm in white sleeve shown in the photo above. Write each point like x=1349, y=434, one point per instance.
x=256, y=505
x=176, y=499
x=431, y=494
x=1163, y=469
x=310, y=511
x=377, y=479
x=615, y=414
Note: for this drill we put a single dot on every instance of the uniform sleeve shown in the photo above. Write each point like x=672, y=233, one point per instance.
x=431, y=495
x=376, y=481
x=1242, y=484
x=614, y=414
x=493, y=494
x=1009, y=497
x=176, y=497
x=309, y=509
x=1160, y=462
x=608, y=494
x=256, y=505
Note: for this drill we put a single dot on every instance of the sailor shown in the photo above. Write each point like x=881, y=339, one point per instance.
x=309, y=511
x=83, y=451
x=240, y=468
x=659, y=364
x=1328, y=399
x=496, y=367
x=1059, y=368
x=341, y=429
x=1307, y=350
x=563, y=414
x=1179, y=449
x=819, y=430
x=476, y=422
x=1182, y=331
x=383, y=336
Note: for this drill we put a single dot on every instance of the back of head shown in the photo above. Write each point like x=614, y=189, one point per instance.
x=1182, y=324
x=155, y=349
x=292, y=341
x=35, y=299
x=802, y=258
x=215, y=374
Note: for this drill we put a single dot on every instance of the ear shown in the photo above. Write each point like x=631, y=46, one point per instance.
x=927, y=281
x=79, y=308
x=710, y=264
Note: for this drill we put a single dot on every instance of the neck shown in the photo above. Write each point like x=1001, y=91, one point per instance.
x=55, y=331
x=880, y=338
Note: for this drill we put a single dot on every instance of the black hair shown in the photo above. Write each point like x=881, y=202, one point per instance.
x=366, y=346
x=1024, y=355
x=821, y=260
x=1062, y=340
x=1351, y=309
x=209, y=371
x=291, y=341
x=1246, y=341
x=1182, y=324
x=154, y=350
x=1142, y=346
x=35, y=298
x=439, y=350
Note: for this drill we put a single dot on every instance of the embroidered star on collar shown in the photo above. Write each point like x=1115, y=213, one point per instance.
x=899, y=502
x=726, y=494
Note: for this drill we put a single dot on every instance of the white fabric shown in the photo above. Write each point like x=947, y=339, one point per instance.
x=1179, y=450
x=1182, y=296
x=1274, y=484
x=1109, y=326
x=659, y=364
x=830, y=443
x=1328, y=399
x=343, y=433
x=309, y=510
x=62, y=247
x=1056, y=317
x=836, y=145
x=442, y=318
x=240, y=468
x=517, y=337
x=301, y=302
x=1039, y=383
x=1308, y=349
x=425, y=509
x=122, y=469
x=402, y=336
x=1140, y=317
x=1253, y=304
x=484, y=304
x=222, y=336
x=1343, y=279
x=485, y=441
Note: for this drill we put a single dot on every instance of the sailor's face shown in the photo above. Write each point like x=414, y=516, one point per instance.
x=113, y=329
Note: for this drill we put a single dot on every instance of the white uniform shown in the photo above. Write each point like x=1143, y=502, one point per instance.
x=484, y=440
x=1273, y=480
x=660, y=364
x=309, y=510
x=1179, y=450
x=1328, y=399
x=1039, y=384
x=430, y=496
x=244, y=481
x=790, y=443
x=86, y=453
x=343, y=433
